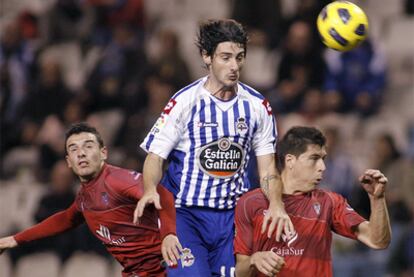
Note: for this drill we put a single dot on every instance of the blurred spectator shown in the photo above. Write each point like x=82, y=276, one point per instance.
x=401, y=261
x=169, y=63
x=355, y=79
x=68, y=20
x=16, y=60
x=399, y=173
x=48, y=95
x=112, y=13
x=301, y=67
x=263, y=16
x=339, y=175
x=118, y=76
x=158, y=93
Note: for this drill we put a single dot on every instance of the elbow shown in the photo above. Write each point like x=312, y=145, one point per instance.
x=381, y=245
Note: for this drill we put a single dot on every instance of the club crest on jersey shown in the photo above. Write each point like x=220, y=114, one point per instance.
x=221, y=159
x=241, y=126
x=317, y=208
x=105, y=198
x=187, y=258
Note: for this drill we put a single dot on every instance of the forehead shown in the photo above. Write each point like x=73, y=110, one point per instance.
x=314, y=149
x=80, y=138
x=229, y=47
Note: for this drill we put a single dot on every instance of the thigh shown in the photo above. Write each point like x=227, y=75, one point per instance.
x=221, y=258
x=194, y=258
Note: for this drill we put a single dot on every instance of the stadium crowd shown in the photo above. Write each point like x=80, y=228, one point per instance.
x=115, y=64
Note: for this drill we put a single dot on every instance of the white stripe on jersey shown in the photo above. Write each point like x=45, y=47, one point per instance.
x=208, y=173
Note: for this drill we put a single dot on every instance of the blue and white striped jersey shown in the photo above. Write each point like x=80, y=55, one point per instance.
x=207, y=143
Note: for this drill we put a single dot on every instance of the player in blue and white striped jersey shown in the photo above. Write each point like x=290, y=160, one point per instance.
x=206, y=133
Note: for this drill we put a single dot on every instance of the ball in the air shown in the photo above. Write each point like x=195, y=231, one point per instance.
x=342, y=25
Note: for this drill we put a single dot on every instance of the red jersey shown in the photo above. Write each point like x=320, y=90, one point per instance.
x=107, y=205
x=315, y=215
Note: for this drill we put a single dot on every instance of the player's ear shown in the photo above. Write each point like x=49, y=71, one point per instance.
x=68, y=161
x=104, y=153
x=289, y=160
x=206, y=57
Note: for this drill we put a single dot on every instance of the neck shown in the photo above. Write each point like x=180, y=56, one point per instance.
x=220, y=91
x=290, y=186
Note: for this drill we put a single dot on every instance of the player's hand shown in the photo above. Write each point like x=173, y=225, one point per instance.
x=6, y=243
x=149, y=197
x=267, y=262
x=171, y=249
x=279, y=220
x=374, y=182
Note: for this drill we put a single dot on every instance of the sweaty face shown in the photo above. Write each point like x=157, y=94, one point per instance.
x=226, y=64
x=85, y=156
x=308, y=168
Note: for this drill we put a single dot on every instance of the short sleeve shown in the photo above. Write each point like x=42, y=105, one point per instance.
x=243, y=239
x=167, y=130
x=264, y=139
x=344, y=217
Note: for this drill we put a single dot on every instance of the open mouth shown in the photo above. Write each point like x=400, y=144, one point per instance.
x=83, y=163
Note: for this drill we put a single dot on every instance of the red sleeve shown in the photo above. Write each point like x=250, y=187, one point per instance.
x=167, y=213
x=53, y=225
x=344, y=218
x=243, y=239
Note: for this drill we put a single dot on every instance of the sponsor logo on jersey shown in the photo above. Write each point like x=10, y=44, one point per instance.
x=241, y=126
x=105, y=234
x=267, y=106
x=221, y=159
x=289, y=250
x=187, y=258
x=170, y=105
x=207, y=124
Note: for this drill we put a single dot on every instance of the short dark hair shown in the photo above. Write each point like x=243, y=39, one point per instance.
x=296, y=141
x=213, y=32
x=83, y=127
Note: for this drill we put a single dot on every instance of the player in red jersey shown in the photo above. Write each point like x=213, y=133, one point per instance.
x=315, y=213
x=106, y=202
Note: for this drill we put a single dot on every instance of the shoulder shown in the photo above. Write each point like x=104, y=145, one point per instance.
x=116, y=175
x=188, y=91
x=254, y=97
x=327, y=196
x=252, y=200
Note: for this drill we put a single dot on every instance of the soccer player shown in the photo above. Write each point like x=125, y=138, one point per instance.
x=106, y=202
x=315, y=214
x=206, y=133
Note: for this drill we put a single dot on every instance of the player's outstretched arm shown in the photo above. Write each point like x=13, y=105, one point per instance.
x=271, y=185
x=266, y=262
x=375, y=233
x=7, y=243
x=152, y=173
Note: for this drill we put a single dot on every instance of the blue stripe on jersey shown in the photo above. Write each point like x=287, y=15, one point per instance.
x=252, y=91
x=191, y=159
x=172, y=178
x=203, y=142
x=226, y=133
x=214, y=138
x=149, y=141
x=236, y=117
x=248, y=116
x=186, y=88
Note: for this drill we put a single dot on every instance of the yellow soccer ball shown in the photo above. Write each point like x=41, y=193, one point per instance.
x=342, y=25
